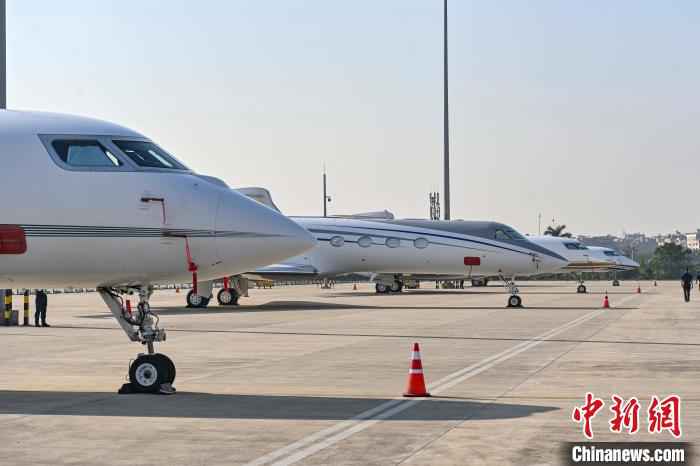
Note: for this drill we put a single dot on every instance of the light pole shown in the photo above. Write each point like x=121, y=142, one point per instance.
x=3, y=57
x=446, y=122
x=326, y=197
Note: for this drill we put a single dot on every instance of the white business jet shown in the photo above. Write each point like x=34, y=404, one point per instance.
x=87, y=203
x=395, y=250
x=582, y=258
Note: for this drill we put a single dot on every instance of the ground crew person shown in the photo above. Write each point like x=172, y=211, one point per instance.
x=687, y=284
x=40, y=313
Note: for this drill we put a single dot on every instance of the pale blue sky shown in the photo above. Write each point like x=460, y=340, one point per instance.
x=586, y=111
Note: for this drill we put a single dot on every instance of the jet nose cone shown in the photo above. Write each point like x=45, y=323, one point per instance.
x=259, y=236
x=551, y=262
x=293, y=239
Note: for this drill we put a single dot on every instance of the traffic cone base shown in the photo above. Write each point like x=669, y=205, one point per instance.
x=416, y=382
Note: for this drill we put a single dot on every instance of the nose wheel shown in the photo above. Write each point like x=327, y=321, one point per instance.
x=515, y=301
x=581, y=288
x=152, y=373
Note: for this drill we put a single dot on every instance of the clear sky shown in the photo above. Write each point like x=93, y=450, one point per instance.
x=585, y=111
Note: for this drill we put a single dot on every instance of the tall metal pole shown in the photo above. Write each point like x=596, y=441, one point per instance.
x=325, y=195
x=446, y=121
x=3, y=59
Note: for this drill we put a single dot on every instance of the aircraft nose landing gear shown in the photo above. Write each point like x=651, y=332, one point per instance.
x=151, y=372
x=514, y=300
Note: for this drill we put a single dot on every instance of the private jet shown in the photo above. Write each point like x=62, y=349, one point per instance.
x=393, y=250
x=580, y=258
x=88, y=203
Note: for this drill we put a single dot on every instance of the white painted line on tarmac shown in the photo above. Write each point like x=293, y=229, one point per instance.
x=325, y=438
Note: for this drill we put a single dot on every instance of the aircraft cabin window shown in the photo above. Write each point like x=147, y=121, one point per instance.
x=611, y=253
x=420, y=243
x=85, y=153
x=393, y=242
x=337, y=241
x=147, y=154
x=364, y=241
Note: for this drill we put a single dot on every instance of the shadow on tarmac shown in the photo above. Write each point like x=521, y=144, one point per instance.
x=220, y=406
x=301, y=306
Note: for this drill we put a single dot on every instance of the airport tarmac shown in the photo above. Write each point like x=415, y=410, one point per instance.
x=300, y=374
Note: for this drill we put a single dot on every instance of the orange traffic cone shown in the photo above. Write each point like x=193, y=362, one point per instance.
x=416, y=381
x=177, y=290
x=354, y=286
x=606, y=301
x=639, y=289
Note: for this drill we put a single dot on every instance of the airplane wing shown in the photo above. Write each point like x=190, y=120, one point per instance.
x=283, y=272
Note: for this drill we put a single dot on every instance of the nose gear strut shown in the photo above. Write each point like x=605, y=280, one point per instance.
x=514, y=300
x=151, y=372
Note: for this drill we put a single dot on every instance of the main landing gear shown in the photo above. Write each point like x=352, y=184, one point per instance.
x=395, y=287
x=150, y=372
x=197, y=301
x=228, y=297
x=514, y=300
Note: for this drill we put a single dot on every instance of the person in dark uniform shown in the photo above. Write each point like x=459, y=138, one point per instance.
x=687, y=284
x=41, y=304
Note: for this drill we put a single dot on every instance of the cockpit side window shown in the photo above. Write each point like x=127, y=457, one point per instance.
x=507, y=234
x=575, y=246
x=148, y=155
x=611, y=253
x=515, y=235
x=85, y=153
x=501, y=235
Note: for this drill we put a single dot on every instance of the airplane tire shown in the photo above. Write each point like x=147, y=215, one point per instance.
x=196, y=301
x=581, y=289
x=396, y=287
x=381, y=288
x=227, y=297
x=616, y=283
x=147, y=373
x=515, y=301
x=169, y=366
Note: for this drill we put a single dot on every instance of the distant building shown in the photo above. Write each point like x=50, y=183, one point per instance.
x=693, y=240
x=677, y=238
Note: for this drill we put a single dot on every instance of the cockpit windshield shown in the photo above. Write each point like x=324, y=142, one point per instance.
x=147, y=154
x=574, y=245
x=611, y=253
x=506, y=234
